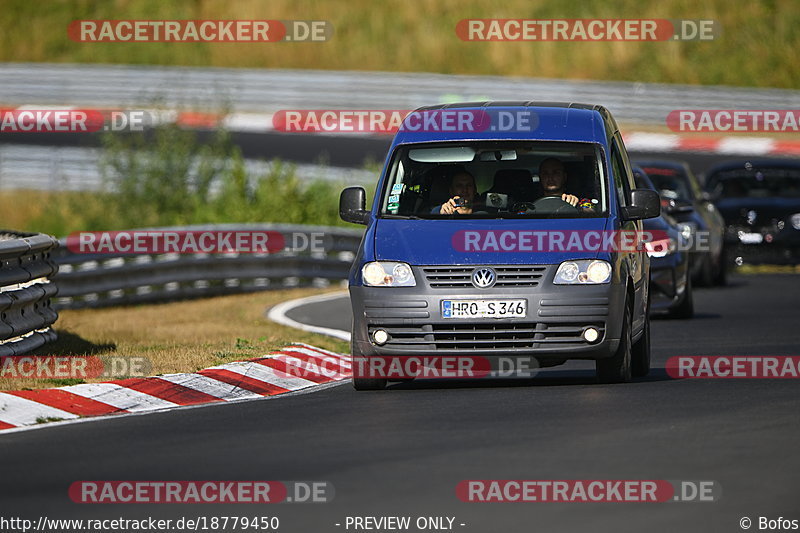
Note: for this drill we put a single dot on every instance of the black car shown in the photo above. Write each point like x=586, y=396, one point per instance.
x=698, y=218
x=670, y=280
x=760, y=201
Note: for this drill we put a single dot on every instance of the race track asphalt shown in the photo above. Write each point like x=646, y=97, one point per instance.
x=402, y=451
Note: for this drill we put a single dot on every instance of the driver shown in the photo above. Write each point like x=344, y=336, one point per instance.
x=553, y=177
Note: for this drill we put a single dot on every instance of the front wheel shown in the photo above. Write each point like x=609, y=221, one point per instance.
x=685, y=309
x=360, y=384
x=617, y=368
x=640, y=360
x=705, y=277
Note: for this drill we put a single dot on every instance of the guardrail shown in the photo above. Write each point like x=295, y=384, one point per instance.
x=98, y=280
x=25, y=291
x=57, y=168
x=267, y=90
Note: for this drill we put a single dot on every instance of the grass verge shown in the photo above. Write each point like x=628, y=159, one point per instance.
x=756, y=45
x=768, y=269
x=177, y=337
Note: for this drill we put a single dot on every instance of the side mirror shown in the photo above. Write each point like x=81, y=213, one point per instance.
x=352, y=205
x=645, y=203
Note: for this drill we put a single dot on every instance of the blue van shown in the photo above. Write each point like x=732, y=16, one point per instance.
x=504, y=229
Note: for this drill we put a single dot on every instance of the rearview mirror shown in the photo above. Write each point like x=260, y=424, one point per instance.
x=447, y=154
x=352, y=205
x=645, y=203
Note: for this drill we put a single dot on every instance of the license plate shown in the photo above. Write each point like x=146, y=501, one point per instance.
x=751, y=238
x=484, y=308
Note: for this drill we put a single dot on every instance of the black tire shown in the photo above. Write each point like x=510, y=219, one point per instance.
x=362, y=383
x=721, y=273
x=640, y=352
x=685, y=309
x=705, y=278
x=617, y=368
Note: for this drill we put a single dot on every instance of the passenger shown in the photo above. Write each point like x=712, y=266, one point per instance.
x=464, y=191
x=553, y=178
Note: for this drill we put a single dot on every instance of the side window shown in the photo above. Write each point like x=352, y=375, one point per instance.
x=626, y=162
x=620, y=179
x=391, y=202
x=626, y=180
x=694, y=184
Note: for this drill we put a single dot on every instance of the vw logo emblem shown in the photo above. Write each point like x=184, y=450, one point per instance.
x=483, y=278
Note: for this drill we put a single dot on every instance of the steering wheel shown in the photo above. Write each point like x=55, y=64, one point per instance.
x=523, y=208
x=554, y=205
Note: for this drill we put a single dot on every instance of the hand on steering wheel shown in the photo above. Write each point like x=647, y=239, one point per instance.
x=555, y=204
x=571, y=199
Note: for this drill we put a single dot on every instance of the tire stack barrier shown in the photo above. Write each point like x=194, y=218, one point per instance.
x=26, y=288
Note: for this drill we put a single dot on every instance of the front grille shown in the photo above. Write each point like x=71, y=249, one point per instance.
x=455, y=277
x=486, y=336
x=479, y=336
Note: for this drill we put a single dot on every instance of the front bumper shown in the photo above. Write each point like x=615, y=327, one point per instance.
x=777, y=246
x=551, y=331
x=737, y=254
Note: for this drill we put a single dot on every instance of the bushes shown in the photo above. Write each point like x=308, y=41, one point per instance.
x=166, y=177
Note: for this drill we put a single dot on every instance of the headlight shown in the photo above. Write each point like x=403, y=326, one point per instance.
x=687, y=229
x=660, y=248
x=795, y=221
x=388, y=274
x=584, y=271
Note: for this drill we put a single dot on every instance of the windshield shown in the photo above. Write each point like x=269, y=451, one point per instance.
x=642, y=181
x=760, y=183
x=670, y=183
x=492, y=179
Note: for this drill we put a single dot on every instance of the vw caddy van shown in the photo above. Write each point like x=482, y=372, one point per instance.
x=503, y=229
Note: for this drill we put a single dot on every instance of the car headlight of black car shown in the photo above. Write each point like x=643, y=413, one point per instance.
x=687, y=229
